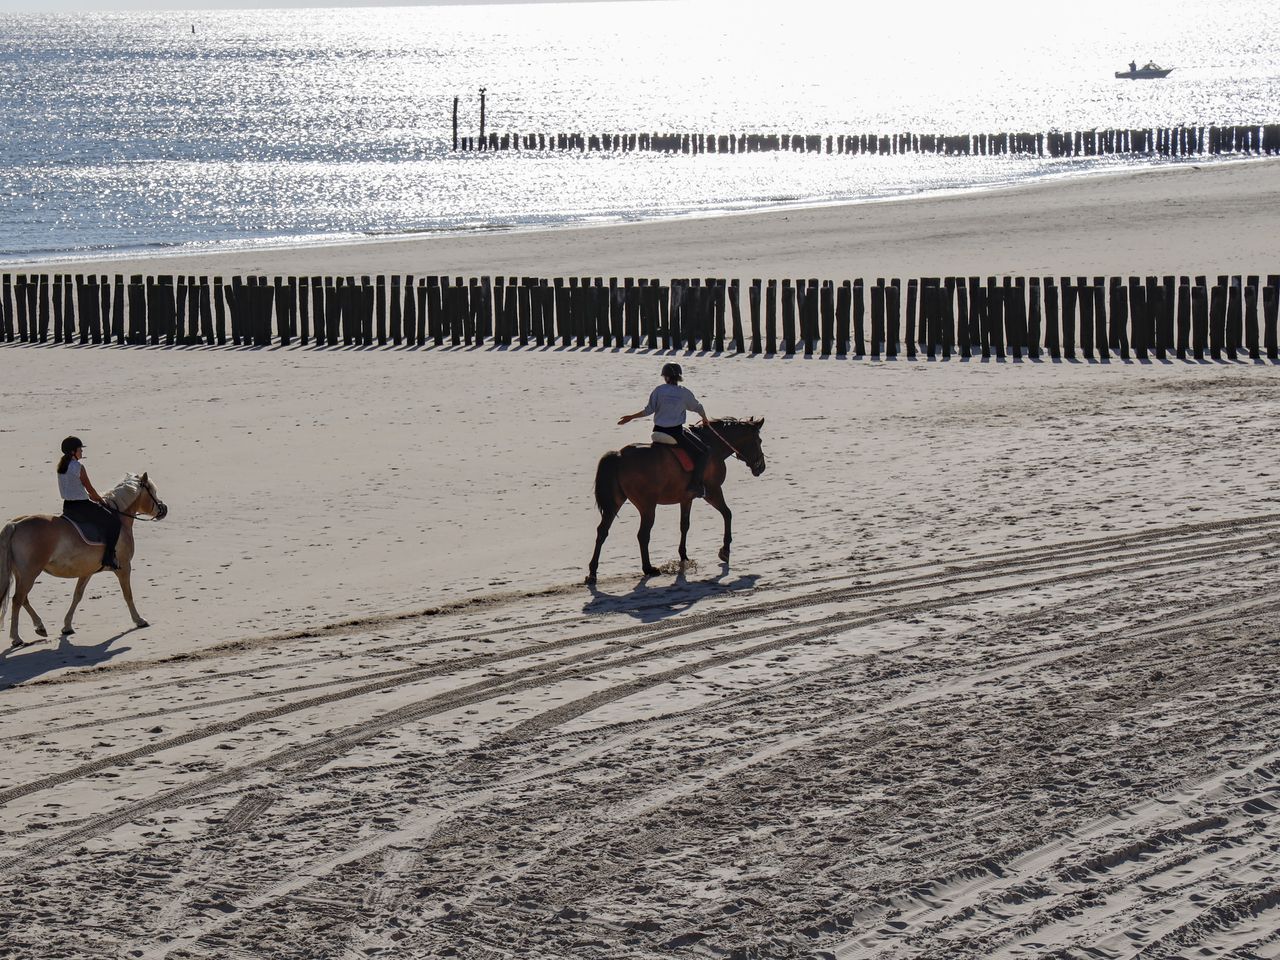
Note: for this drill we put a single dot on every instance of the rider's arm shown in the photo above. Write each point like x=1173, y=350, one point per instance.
x=93, y=494
x=691, y=404
x=633, y=416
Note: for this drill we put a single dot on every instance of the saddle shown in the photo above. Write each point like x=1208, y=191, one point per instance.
x=90, y=533
x=668, y=441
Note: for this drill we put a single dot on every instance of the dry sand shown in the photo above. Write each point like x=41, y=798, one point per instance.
x=991, y=672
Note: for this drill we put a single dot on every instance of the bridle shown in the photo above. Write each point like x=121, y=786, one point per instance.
x=736, y=452
x=161, y=510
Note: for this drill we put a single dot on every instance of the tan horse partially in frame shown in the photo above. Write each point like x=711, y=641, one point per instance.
x=32, y=545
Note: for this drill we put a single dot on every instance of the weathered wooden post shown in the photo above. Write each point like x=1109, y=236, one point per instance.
x=877, y=318
x=42, y=306
x=753, y=301
x=1235, y=319
x=913, y=300
x=1052, y=338
x=1218, y=319
x=455, y=123
x=735, y=313
x=788, y=318
x=1200, y=319
x=1034, y=323
x=844, y=299
x=809, y=321
x=1100, y=337
x=482, y=140
x=995, y=316
x=859, y=323
x=716, y=291
x=963, y=311
x=1251, y=318
x=1184, y=317
x=137, y=310
x=1084, y=298
x=1270, y=312
x=205, y=295
x=771, y=318
x=1068, y=319
x=1119, y=337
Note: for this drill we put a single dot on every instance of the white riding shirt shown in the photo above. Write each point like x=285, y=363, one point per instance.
x=70, y=485
x=668, y=403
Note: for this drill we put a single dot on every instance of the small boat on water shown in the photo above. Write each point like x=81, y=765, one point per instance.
x=1150, y=71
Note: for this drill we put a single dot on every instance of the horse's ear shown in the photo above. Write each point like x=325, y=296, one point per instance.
x=759, y=423
x=144, y=478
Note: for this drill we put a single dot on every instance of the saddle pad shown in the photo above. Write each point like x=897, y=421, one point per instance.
x=686, y=461
x=88, y=533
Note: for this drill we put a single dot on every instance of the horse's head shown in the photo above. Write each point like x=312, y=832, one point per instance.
x=744, y=435
x=148, y=502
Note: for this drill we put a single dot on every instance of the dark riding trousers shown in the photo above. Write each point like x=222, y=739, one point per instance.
x=687, y=439
x=97, y=518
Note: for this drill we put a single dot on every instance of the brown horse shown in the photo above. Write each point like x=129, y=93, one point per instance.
x=651, y=475
x=33, y=545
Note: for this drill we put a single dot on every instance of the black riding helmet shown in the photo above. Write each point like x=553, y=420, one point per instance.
x=671, y=371
x=70, y=445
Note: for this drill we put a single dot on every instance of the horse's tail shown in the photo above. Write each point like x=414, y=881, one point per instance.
x=607, y=483
x=6, y=564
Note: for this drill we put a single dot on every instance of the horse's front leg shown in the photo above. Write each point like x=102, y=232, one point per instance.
x=123, y=576
x=685, y=505
x=715, y=497
x=646, y=525
x=67, y=629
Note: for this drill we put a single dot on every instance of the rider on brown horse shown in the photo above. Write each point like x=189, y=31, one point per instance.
x=667, y=404
x=81, y=503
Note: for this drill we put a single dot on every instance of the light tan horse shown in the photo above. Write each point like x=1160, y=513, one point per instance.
x=32, y=545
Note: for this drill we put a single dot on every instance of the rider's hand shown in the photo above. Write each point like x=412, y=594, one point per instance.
x=624, y=420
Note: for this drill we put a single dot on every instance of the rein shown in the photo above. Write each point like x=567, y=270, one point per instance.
x=736, y=452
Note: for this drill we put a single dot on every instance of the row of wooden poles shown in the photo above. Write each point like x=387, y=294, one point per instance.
x=1164, y=141
x=1029, y=317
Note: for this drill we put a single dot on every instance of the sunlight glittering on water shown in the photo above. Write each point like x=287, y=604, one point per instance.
x=128, y=130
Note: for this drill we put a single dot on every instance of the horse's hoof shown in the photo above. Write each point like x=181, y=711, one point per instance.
x=16, y=644
x=652, y=572
x=41, y=632
x=591, y=578
x=67, y=631
x=140, y=624
x=724, y=555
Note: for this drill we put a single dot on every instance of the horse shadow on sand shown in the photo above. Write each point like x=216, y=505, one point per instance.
x=650, y=602
x=38, y=657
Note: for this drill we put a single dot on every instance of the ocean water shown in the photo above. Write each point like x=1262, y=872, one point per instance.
x=122, y=132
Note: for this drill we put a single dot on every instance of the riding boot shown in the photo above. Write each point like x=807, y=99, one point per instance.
x=697, y=488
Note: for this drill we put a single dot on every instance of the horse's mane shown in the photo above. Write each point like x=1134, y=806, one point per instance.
x=731, y=422
x=131, y=484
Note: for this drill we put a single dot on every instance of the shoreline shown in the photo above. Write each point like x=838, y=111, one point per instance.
x=754, y=238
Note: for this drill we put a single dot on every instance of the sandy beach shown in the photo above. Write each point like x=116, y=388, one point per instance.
x=990, y=672
x=1190, y=218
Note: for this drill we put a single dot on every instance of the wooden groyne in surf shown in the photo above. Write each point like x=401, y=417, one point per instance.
x=1192, y=140
x=1161, y=318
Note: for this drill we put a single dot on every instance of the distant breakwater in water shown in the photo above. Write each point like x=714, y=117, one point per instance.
x=1248, y=139
x=935, y=317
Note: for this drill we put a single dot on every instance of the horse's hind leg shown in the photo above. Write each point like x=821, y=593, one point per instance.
x=685, y=506
x=75, y=602
x=22, y=585
x=715, y=497
x=646, y=525
x=35, y=618
x=602, y=531
x=127, y=589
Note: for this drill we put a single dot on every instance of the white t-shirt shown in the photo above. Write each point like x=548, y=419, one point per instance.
x=668, y=403
x=70, y=485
